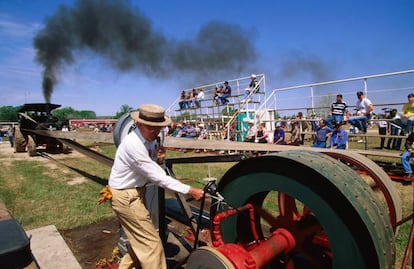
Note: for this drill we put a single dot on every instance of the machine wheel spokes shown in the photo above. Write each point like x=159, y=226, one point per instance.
x=322, y=203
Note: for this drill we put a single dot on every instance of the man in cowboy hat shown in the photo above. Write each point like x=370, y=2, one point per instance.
x=136, y=164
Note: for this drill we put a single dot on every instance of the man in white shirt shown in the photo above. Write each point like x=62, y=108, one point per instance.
x=136, y=163
x=364, y=110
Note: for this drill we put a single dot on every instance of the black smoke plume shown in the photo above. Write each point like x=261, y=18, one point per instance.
x=121, y=34
x=298, y=63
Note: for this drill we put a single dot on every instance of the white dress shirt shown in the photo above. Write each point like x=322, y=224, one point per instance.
x=133, y=167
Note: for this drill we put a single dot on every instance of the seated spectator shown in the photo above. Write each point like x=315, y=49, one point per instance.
x=339, y=137
x=190, y=131
x=262, y=133
x=407, y=113
x=183, y=100
x=225, y=93
x=251, y=132
x=198, y=98
x=203, y=132
x=279, y=135
x=295, y=136
x=193, y=98
x=217, y=94
x=363, y=114
x=407, y=155
x=251, y=89
x=339, y=111
x=322, y=134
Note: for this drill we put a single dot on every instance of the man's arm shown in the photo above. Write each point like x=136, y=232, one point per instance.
x=370, y=108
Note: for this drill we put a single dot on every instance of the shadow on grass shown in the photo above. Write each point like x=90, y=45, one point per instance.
x=98, y=180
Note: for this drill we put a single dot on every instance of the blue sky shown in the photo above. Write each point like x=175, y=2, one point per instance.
x=343, y=39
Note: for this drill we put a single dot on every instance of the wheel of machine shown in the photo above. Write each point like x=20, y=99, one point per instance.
x=342, y=223
x=31, y=146
x=19, y=140
x=208, y=258
x=65, y=149
x=123, y=127
x=381, y=180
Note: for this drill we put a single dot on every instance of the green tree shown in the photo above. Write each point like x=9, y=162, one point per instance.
x=124, y=109
x=63, y=115
x=85, y=114
x=9, y=113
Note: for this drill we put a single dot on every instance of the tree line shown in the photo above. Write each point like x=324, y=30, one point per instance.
x=10, y=113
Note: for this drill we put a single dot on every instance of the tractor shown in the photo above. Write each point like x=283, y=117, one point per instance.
x=36, y=116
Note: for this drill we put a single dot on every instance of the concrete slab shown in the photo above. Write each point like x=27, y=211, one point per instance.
x=50, y=250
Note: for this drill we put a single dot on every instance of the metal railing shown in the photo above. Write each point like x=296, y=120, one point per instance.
x=384, y=90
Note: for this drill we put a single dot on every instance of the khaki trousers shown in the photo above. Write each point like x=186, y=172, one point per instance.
x=134, y=218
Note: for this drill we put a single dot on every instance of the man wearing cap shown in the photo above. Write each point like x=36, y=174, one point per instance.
x=279, y=135
x=365, y=108
x=339, y=137
x=253, y=88
x=136, y=163
x=225, y=93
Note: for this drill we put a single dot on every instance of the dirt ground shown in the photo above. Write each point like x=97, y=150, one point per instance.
x=93, y=242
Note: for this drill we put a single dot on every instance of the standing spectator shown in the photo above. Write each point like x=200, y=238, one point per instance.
x=407, y=113
x=10, y=134
x=65, y=129
x=304, y=126
x=136, y=164
x=322, y=134
x=407, y=155
x=363, y=114
x=339, y=137
x=395, y=129
x=225, y=94
x=1, y=135
x=279, y=135
x=339, y=111
x=251, y=132
x=382, y=129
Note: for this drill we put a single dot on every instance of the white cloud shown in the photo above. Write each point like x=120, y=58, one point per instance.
x=10, y=28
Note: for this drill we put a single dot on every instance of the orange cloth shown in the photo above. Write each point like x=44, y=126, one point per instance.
x=105, y=194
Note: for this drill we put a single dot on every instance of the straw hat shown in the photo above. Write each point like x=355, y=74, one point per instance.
x=152, y=115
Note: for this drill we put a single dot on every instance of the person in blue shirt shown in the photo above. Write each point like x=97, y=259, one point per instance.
x=339, y=137
x=226, y=93
x=407, y=155
x=322, y=134
x=279, y=135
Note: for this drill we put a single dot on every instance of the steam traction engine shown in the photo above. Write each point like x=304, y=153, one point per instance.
x=295, y=209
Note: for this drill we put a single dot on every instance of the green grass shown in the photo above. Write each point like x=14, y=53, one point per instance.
x=38, y=194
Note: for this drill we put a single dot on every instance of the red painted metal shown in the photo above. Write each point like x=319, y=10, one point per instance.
x=257, y=254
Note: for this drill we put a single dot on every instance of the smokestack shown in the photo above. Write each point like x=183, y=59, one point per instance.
x=121, y=34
